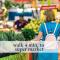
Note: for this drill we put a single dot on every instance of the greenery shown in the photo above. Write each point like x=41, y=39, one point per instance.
x=11, y=36
x=24, y=35
x=3, y=37
x=20, y=37
x=33, y=24
x=9, y=4
x=6, y=14
x=29, y=34
x=19, y=56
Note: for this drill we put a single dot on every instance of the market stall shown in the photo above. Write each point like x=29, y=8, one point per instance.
x=32, y=13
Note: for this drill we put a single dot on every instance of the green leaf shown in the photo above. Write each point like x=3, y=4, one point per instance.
x=49, y=2
x=28, y=34
x=42, y=2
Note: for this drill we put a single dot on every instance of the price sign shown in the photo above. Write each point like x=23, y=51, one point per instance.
x=22, y=0
x=48, y=7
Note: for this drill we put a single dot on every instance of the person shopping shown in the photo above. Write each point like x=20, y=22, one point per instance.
x=48, y=27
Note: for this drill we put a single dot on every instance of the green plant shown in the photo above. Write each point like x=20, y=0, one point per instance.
x=11, y=36
x=8, y=4
x=28, y=34
x=20, y=37
x=18, y=56
x=21, y=5
x=3, y=37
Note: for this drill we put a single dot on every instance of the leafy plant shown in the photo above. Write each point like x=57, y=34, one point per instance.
x=8, y=4
x=3, y=37
x=20, y=37
x=28, y=34
x=11, y=36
